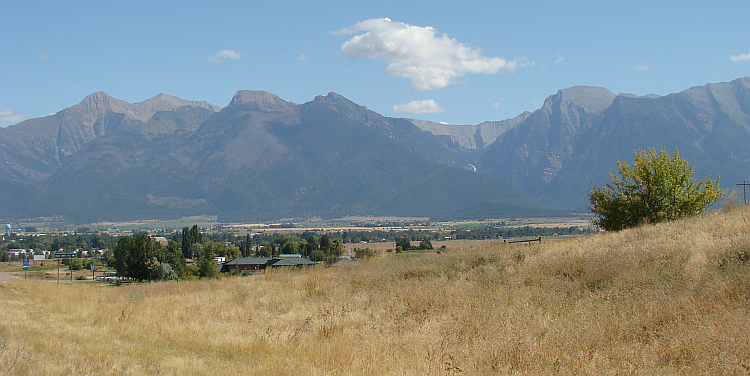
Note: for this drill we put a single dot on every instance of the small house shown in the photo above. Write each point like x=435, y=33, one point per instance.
x=259, y=264
x=161, y=240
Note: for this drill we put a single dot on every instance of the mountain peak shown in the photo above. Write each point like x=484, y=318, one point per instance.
x=335, y=95
x=166, y=102
x=252, y=100
x=99, y=95
x=591, y=98
x=100, y=102
x=97, y=99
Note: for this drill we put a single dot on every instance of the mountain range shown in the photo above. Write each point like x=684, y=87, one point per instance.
x=258, y=158
x=264, y=158
x=575, y=139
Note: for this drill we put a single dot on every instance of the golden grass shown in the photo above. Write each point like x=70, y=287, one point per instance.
x=657, y=300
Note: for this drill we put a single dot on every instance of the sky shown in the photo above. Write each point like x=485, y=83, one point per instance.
x=459, y=62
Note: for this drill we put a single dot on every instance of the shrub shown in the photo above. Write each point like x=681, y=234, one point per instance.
x=425, y=244
x=363, y=253
x=657, y=187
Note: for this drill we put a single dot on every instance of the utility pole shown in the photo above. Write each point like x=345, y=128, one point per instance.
x=744, y=190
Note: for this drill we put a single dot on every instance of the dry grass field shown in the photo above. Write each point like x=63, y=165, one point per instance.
x=668, y=299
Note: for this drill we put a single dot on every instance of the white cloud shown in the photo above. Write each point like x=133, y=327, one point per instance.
x=43, y=57
x=560, y=59
x=8, y=116
x=418, y=107
x=223, y=55
x=301, y=57
x=641, y=67
x=740, y=57
x=429, y=59
x=496, y=105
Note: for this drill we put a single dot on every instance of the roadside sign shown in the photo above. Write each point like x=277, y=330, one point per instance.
x=38, y=257
x=25, y=264
x=93, y=267
x=65, y=255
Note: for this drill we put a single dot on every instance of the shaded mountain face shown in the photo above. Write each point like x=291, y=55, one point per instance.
x=263, y=158
x=470, y=137
x=259, y=158
x=578, y=136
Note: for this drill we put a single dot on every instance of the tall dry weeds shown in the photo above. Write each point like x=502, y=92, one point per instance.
x=665, y=299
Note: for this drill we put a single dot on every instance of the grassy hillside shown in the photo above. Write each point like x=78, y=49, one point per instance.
x=666, y=299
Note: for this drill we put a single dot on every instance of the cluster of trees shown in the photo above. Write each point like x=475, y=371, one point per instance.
x=489, y=232
x=403, y=243
x=313, y=247
x=480, y=232
x=191, y=239
x=658, y=187
x=140, y=257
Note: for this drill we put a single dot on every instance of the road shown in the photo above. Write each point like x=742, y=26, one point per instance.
x=6, y=277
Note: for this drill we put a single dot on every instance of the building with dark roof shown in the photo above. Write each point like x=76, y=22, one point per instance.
x=259, y=264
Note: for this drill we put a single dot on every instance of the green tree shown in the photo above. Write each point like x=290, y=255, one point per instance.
x=186, y=242
x=233, y=253
x=403, y=241
x=657, y=187
x=132, y=254
x=174, y=257
x=216, y=248
x=325, y=244
x=425, y=244
x=247, y=247
x=289, y=248
x=337, y=248
x=141, y=258
x=310, y=246
x=207, y=264
x=196, y=251
x=190, y=236
x=363, y=253
x=317, y=255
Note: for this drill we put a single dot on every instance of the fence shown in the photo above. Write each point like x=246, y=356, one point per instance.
x=539, y=239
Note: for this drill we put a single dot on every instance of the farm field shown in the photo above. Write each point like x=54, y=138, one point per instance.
x=342, y=224
x=664, y=299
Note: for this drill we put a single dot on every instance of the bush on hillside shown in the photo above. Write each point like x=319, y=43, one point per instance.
x=657, y=187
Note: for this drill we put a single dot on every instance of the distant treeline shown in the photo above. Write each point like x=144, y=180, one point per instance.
x=281, y=242
x=67, y=242
x=377, y=236
x=519, y=232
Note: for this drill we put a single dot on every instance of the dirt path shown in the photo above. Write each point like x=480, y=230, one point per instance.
x=6, y=277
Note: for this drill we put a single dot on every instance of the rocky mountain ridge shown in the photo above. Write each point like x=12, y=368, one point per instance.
x=258, y=158
x=262, y=157
x=575, y=140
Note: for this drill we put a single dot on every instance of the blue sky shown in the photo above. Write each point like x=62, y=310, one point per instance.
x=456, y=62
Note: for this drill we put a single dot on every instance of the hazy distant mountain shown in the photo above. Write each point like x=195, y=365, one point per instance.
x=580, y=133
x=262, y=158
x=258, y=158
x=470, y=137
x=34, y=149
